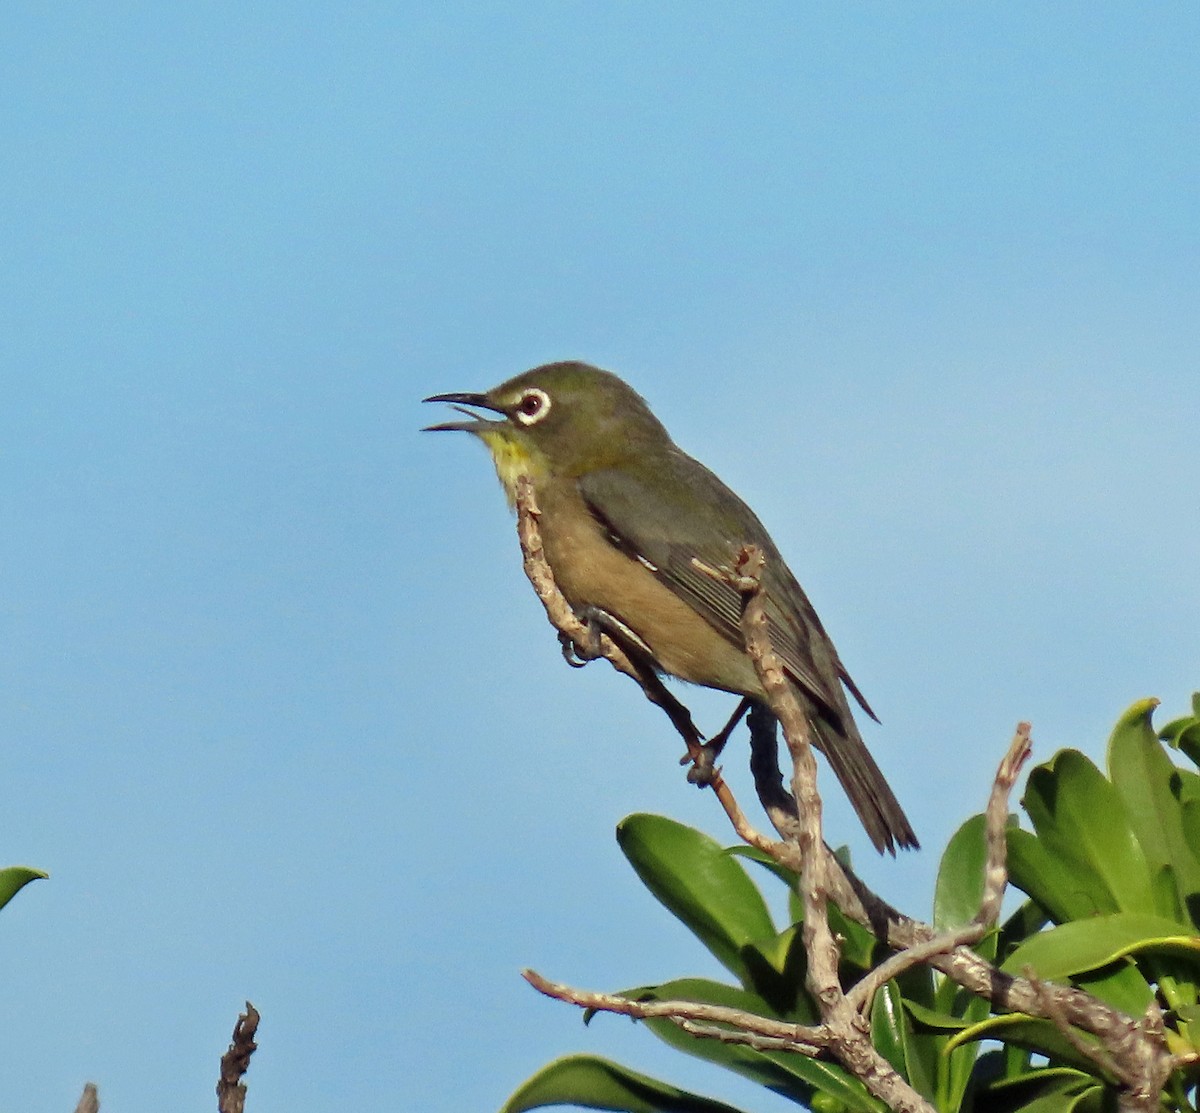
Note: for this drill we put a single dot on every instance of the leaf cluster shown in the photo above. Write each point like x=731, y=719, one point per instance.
x=1111, y=874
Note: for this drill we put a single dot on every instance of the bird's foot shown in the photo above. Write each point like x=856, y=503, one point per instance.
x=576, y=653
x=704, y=758
x=572, y=654
x=704, y=768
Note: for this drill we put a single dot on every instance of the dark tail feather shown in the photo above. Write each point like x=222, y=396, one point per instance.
x=861, y=779
x=864, y=784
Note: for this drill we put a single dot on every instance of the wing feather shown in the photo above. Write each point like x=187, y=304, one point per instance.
x=686, y=513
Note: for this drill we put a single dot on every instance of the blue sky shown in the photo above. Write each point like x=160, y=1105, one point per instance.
x=280, y=714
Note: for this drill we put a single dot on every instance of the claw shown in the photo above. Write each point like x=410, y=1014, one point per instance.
x=570, y=652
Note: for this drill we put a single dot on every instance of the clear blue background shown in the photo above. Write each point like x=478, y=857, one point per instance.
x=278, y=711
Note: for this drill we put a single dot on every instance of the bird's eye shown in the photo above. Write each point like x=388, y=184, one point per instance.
x=532, y=406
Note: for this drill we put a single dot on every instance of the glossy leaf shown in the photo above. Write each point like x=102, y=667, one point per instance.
x=1069, y=1099
x=14, y=879
x=1090, y=944
x=701, y=884
x=594, y=1083
x=1021, y=1090
x=1027, y=920
x=1081, y=819
x=1052, y=882
x=1033, y=1033
x=859, y=948
x=957, y=895
x=913, y=1054
x=1122, y=985
x=934, y=1019
x=959, y=887
x=1184, y=733
x=1149, y=783
x=777, y=971
x=1191, y=830
x=887, y=1027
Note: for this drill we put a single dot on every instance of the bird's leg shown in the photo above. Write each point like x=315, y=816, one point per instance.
x=777, y=802
x=599, y=622
x=704, y=762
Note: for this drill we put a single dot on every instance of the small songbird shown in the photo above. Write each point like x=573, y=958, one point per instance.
x=625, y=516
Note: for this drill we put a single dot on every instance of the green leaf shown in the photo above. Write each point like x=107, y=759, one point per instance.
x=1091, y=944
x=1149, y=784
x=956, y=1068
x=699, y=883
x=1048, y=879
x=1121, y=985
x=960, y=878
x=1033, y=1033
x=794, y=1075
x=888, y=1026
x=1081, y=819
x=1046, y=1085
x=777, y=969
x=595, y=1083
x=935, y=1020
x=857, y=945
x=1027, y=920
x=1191, y=831
x=914, y=1055
x=1184, y=734
x=1068, y=1099
x=14, y=879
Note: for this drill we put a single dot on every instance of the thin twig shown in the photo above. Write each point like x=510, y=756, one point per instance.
x=995, y=881
x=1093, y=1052
x=995, y=877
x=798, y=1037
x=746, y=1039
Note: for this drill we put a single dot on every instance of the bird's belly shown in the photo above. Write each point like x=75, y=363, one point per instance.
x=591, y=571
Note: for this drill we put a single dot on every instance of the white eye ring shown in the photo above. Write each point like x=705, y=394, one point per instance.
x=532, y=406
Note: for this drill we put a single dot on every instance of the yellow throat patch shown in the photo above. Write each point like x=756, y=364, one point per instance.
x=512, y=460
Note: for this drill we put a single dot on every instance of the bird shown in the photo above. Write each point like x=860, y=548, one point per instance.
x=629, y=524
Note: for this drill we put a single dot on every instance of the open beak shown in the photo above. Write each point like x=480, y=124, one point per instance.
x=477, y=424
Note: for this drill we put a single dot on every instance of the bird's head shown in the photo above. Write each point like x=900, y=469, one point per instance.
x=559, y=420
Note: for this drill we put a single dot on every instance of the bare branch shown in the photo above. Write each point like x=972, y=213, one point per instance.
x=231, y=1090
x=746, y=1039
x=995, y=876
x=797, y=1037
x=1094, y=1052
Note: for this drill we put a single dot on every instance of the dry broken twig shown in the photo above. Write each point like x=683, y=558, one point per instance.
x=231, y=1090
x=89, y=1100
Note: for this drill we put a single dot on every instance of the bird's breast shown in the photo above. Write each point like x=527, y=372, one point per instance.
x=591, y=570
